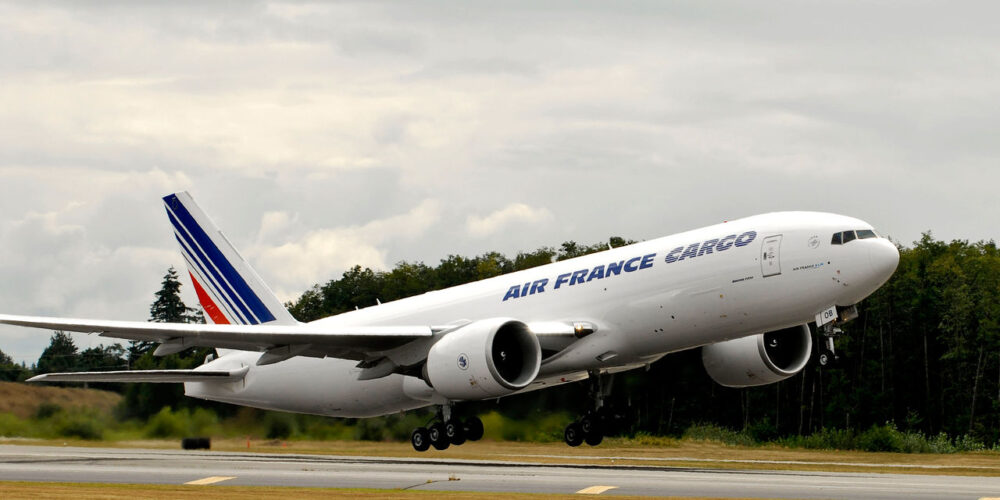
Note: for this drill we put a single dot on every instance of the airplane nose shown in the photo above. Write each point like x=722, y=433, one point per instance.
x=884, y=257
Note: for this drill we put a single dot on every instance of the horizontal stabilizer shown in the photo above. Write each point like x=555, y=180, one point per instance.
x=163, y=376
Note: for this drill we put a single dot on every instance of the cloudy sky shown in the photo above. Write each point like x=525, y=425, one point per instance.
x=323, y=135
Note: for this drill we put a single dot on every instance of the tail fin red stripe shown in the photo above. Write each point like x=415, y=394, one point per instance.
x=207, y=304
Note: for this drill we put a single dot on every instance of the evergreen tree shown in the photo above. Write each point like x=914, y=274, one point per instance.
x=11, y=371
x=167, y=308
x=60, y=356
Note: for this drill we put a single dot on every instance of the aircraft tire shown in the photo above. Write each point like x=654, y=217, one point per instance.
x=455, y=432
x=594, y=438
x=473, y=429
x=573, y=435
x=438, y=438
x=420, y=439
x=589, y=424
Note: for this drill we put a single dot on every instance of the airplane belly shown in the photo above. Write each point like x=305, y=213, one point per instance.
x=315, y=386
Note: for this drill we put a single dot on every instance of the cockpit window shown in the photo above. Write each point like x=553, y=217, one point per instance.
x=845, y=237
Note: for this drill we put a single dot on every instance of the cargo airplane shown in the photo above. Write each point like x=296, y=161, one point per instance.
x=744, y=292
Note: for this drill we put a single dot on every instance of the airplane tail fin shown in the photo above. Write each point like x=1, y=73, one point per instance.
x=229, y=290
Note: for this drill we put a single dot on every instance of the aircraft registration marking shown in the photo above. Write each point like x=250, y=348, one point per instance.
x=209, y=480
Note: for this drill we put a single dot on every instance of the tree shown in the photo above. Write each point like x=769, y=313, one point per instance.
x=60, y=356
x=11, y=371
x=167, y=308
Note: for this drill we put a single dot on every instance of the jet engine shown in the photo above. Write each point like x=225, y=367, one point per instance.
x=485, y=359
x=759, y=359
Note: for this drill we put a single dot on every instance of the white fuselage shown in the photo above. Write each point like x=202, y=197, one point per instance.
x=699, y=287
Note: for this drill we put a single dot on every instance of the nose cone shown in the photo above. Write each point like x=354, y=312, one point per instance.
x=884, y=258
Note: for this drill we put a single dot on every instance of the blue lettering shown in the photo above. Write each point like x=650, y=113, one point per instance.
x=597, y=273
x=630, y=265
x=647, y=261
x=560, y=280
x=524, y=291
x=746, y=238
x=725, y=243
x=539, y=286
x=615, y=268
x=513, y=293
x=672, y=256
x=692, y=251
x=707, y=246
x=578, y=277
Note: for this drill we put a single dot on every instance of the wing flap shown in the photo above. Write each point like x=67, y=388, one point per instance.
x=161, y=376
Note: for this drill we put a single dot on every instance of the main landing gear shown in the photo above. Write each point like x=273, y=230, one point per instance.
x=591, y=427
x=446, y=431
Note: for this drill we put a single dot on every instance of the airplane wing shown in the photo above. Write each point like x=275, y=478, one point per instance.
x=161, y=376
x=278, y=341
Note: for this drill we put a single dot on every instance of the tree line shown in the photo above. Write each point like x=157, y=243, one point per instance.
x=924, y=354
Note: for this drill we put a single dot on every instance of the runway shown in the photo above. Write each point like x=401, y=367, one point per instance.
x=110, y=465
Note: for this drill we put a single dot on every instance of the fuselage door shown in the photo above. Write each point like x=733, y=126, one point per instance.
x=770, y=262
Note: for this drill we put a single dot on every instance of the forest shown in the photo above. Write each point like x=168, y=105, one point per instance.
x=922, y=359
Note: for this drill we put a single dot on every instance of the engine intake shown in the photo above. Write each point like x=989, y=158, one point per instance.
x=485, y=359
x=759, y=359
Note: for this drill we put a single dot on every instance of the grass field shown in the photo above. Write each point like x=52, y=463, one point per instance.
x=23, y=400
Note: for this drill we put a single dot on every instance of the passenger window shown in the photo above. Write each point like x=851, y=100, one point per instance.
x=849, y=237
x=864, y=234
x=836, y=238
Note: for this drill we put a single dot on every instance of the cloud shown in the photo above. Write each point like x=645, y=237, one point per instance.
x=321, y=254
x=513, y=214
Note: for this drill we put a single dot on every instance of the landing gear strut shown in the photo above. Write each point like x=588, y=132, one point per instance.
x=446, y=430
x=830, y=331
x=591, y=427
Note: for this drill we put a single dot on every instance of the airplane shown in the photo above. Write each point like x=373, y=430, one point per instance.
x=744, y=291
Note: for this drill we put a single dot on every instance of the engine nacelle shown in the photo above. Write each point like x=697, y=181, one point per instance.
x=485, y=359
x=759, y=359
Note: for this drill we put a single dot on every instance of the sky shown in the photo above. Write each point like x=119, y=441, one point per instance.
x=320, y=135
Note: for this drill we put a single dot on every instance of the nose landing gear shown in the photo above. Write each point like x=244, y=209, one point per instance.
x=829, y=331
x=446, y=431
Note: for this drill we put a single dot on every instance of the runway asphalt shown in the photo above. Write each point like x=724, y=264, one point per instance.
x=111, y=465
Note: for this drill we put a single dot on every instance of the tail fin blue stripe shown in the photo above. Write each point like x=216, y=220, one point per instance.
x=215, y=257
x=196, y=266
x=216, y=280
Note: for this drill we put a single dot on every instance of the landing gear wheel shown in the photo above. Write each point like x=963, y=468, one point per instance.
x=473, y=429
x=455, y=432
x=824, y=359
x=420, y=439
x=589, y=423
x=573, y=434
x=594, y=438
x=438, y=438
